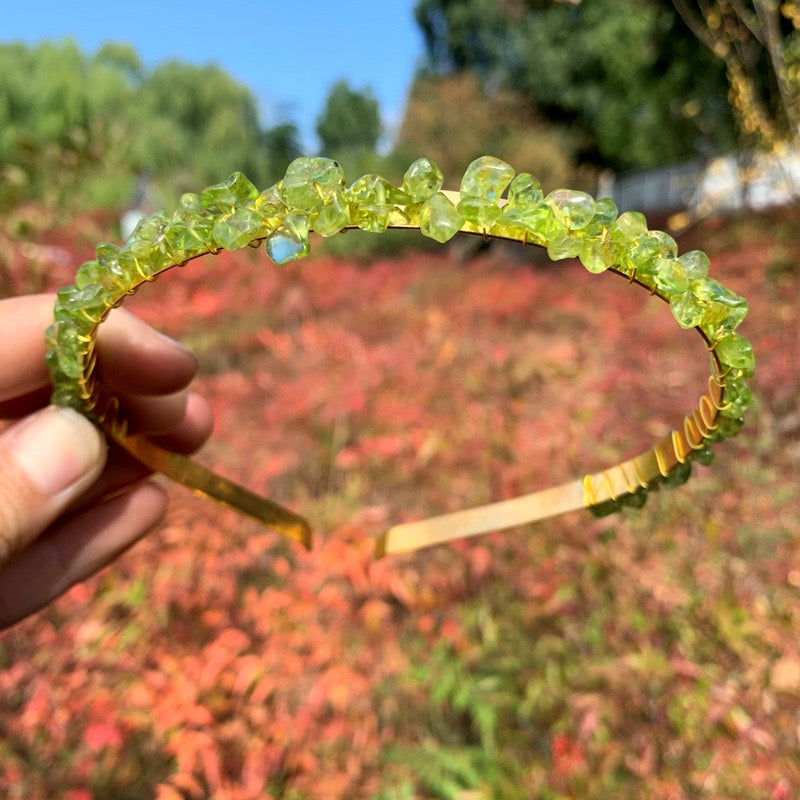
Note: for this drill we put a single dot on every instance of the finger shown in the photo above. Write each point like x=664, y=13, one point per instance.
x=25, y=404
x=122, y=469
x=75, y=550
x=23, y=321
x=135, y=359
x=156, y=414
x=48, y=461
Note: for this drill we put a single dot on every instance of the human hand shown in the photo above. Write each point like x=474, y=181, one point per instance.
x=69, y=503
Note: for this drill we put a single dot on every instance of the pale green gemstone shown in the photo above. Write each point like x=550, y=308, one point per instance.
x=226, y=196
x=190, y=202
x=703, y=455
x=597, y=255
x=524, y=190
x=605, y=212
x=563, y=246
x=422, y=180
x=375, y=190
x=735, y=351
x=189, y=236
x=728, y=427
x=628, y=228
x=679, y=475
x=537, y=221
x=651, y=248
x=687, y=309
x=738, y=397
x=308, y=181
x=107, y=256
x=333, y=216
x=70, y=350
x=145, y=260
x=90, y=272
x=695, y=264
x=91, y=301
x=290, y=240
x=149, y=231
x=725, y=309
x=572, y=209
x=486, y=177
x=373, y=217
x=236, y=230
x=670, y=278
x=480, y=212
x=439, y=219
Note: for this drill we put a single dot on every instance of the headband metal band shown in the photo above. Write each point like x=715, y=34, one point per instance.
x=492, y=202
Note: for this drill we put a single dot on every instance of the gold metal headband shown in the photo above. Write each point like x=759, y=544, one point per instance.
x=492, y=202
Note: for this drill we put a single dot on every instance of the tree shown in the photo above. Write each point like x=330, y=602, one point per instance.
x=350, y=120
x=759, y=43
x=626, y=76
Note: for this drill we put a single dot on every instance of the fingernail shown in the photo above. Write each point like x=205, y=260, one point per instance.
x=56, y=448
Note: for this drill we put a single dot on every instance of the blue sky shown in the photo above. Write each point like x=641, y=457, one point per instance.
x=288, y=52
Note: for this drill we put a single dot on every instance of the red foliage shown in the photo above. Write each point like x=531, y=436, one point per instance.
x=215, y=660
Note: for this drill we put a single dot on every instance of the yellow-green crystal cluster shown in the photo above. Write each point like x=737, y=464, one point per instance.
x=313, y=196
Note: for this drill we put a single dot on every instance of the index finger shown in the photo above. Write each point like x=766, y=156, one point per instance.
x=134, y=358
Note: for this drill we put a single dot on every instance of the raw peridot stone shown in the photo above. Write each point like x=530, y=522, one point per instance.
x=422, y=180
x=735, y=351
x=564, y=246
x=289, y=241
x=628, y=228
x=237, y=229
x=486, y=177
x=92, y=302
x=605, y=212
x=90, y=272
x=375, y=190
x=597, y=255
x=670, y=277
x=649, y=250
x=308, y=181
x=480, y=212
x=524, y=190
x=679, y=475
x=226, y=196
x=373, y=217
x=332, y=216
x=189, y=236
x=687, y=309
x=725, y=309
x=537, y=221
x=573, y=210
x=738, y=397
x=439, y=219
x=695, y=264
x=703, y=455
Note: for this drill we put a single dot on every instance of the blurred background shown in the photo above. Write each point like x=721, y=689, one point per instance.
x=652, y=654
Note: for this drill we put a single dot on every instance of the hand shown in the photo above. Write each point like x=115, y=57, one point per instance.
x=69, y=503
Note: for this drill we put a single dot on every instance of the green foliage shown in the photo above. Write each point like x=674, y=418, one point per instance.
x=626, y=74
x=77, y=130
x=349, y=122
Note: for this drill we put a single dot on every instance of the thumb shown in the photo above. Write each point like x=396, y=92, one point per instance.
x=47, y=461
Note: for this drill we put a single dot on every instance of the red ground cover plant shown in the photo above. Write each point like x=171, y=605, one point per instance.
x=653, y=654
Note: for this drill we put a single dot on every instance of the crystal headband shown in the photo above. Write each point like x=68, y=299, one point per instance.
x=492, y=202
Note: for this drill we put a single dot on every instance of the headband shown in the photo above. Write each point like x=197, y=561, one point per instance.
x=492, y=202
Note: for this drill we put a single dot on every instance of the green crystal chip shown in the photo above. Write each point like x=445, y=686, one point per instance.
x=333, y=215
x=238, y=229
x=226, y=196
x=479, y=211
x=735, y=351
x=695, y=264
x=687, y=309
x=308, y=181
x=670, y=277
x=537, y=221
x=486, y=177
x=573, y=210
x=524, y=190
x=289, y=241
x=439, y=219
x=422, y=180
x=725, y=309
